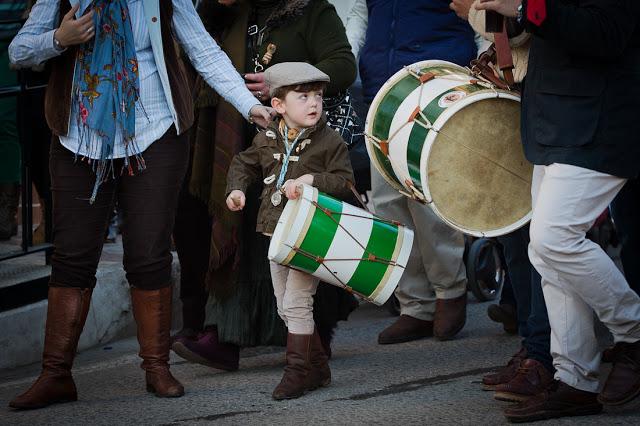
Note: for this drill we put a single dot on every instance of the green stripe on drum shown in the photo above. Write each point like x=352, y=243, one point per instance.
x=368, y=274
x=320, y=234
x=418, y=135
x=388, y=106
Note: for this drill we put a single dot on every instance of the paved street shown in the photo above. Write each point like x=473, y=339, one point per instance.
x=423, y=382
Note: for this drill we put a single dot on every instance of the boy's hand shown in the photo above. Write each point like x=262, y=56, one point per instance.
x=461, y=8
x=291, y=187
x=236, y=200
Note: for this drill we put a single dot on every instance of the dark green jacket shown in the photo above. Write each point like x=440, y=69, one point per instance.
x=322, y=154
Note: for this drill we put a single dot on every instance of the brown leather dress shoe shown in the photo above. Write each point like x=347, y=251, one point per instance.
x=531, y=379
x=623, y=383
x=405, y=329
x=450, y=317
x=506, y=373
x=558, y=400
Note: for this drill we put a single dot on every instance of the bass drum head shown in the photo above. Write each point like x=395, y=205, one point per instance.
x=476, y=172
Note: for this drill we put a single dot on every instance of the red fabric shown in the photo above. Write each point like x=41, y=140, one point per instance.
x=536, y=11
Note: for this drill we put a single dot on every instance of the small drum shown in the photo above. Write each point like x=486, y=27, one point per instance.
x=341, y=245
x=443, y=137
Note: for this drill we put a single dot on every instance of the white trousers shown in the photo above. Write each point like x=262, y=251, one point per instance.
x=435, y=268
x=294, y=292
x=578, y=278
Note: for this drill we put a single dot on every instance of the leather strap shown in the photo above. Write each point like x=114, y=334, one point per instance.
x=482, y=68
x=503, y=54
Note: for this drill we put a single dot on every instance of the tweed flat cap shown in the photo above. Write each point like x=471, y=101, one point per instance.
x=292, y=74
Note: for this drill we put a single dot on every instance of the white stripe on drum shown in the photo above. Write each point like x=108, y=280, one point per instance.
x=398, y=146
x=344, y=247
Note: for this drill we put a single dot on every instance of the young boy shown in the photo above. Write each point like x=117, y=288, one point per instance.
x=296, y=148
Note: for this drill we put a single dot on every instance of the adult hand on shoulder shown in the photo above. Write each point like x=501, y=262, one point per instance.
x=262, y=115
x=461, y=8
x=504, y=7
x=75, y=31
x=257, y=86
x=236, y=200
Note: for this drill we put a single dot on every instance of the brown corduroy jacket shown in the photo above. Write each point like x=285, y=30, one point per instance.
x=322, y=154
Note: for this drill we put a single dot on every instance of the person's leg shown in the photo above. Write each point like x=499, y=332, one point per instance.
x=192, y=237
x=300, y=375
x=148, y=203
x=78, y=229
x=441, y=250
x=279, y=275
x=624, y=210
x=414, y=292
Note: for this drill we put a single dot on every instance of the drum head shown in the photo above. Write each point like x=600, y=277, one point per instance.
x=476, y=172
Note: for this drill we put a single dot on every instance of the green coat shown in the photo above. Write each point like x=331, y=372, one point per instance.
x=322, y=154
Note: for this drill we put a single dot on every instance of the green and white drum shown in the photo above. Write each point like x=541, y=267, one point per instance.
x=341, y=245
x=441, y=136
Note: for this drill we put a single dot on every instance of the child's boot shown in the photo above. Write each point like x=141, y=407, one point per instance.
x=320, y=372
x=297, y=373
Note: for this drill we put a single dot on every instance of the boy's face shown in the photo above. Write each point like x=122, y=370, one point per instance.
x=300, y=109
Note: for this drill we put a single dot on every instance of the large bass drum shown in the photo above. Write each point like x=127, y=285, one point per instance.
x=439, y=135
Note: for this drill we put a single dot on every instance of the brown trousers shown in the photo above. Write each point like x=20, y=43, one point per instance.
x=146, y=202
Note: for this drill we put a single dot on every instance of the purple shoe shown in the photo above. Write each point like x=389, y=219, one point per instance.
x=207, y=350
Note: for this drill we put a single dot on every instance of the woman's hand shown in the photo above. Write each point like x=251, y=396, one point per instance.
x=292, y=187
x=504, y=7
x=236, y=200
x=262, y=115
x=257, y=86
x=75, y=31
x=226, y=2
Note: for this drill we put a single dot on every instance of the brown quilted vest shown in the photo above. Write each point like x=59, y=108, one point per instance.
x=57, y=102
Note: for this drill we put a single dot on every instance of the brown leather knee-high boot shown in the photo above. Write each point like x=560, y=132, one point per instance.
x=152, y=312
x=320, y=372
x=66, y=315
x=297, y=372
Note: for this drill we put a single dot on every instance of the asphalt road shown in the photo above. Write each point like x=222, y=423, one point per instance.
x=422, y=382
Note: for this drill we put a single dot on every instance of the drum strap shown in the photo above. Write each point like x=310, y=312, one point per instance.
x=358, y=197
x=503, y=53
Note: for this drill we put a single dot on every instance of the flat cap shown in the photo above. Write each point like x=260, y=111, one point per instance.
x=292, y=74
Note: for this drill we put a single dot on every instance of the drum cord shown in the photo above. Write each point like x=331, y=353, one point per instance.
x=370, y=256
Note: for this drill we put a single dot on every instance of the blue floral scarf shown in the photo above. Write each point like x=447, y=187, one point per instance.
x=107, y=88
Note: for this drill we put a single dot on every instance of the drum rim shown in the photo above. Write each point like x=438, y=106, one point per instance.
x=296, y=213
x=401, y=73
x=426, y=151
x=383, y=291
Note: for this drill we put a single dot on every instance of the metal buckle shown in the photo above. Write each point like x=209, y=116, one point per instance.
x=252, y=30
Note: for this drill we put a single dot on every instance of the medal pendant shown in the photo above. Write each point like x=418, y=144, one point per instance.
x=276, y=198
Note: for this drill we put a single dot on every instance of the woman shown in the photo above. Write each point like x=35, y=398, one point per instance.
x=118, y=104
x=241, y=310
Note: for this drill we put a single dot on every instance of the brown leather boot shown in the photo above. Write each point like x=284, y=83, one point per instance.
x=320, y=372
x=531, y=379
x=623, y=383
x=405, y=329
x=558, y=400
x=450, y=317
x=152, y=312
x=297, y=373
x=506, y=373
x=66, y=315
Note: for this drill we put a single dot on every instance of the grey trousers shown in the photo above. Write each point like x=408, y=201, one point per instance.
x=435, y=269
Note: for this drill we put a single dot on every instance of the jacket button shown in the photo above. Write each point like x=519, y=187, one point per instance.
x=154, y=19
